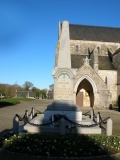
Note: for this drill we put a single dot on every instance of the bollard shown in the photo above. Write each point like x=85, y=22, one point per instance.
x=26, y=113
x=29, y=118
x=109, y=127
x=26, y=117
x=98, y=118
x=91, y=114
x=62, y=126
x=15, y=124
x=33, y=112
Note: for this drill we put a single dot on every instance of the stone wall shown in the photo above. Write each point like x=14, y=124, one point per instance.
x=110, y=79
x=118, y=90
x=84, y=45
x=116, y=62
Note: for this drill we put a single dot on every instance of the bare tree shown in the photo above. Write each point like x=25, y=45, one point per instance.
x=27, y=86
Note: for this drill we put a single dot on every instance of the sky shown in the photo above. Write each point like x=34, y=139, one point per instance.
x=29, y=34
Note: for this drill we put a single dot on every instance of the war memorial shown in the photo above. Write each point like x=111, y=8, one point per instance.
x=86, y=74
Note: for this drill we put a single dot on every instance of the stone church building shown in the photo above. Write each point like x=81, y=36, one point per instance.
x=87, y=65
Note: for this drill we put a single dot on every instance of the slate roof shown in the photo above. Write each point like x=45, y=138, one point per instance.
x=77, y=60
x=94, y=33
x=104, y=62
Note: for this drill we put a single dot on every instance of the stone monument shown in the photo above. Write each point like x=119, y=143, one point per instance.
x=62, y=73
x=67, y=84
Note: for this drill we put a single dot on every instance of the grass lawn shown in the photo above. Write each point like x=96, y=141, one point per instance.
x=73, y=145
x=12, y=101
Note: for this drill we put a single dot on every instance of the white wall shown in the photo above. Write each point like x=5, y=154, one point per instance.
x=111, y=81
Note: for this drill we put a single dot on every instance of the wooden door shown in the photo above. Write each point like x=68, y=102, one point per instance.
x=79, y=99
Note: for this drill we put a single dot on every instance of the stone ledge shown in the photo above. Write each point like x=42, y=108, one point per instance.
x=63, y=106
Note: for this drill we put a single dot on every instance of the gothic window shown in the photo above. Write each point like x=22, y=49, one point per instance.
x=76, y=48
x=106, y=80
x=98, y=49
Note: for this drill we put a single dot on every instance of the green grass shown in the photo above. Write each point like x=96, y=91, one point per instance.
x=73, y=145
x=12, y=101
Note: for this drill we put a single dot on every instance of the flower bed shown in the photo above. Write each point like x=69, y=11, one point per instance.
x=61, y=146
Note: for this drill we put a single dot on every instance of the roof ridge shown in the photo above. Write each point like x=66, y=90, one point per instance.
x=87, y=25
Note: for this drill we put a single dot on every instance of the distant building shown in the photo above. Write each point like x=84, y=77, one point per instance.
x=27, y=94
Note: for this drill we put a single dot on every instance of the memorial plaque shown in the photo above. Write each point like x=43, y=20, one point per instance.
x=63, y=87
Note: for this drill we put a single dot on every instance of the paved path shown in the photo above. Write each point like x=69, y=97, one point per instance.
x=6, y=122
x=7, y=113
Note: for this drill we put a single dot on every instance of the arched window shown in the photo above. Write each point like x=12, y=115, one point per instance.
x=98, y=48
x=76, y=48
x=106, y=80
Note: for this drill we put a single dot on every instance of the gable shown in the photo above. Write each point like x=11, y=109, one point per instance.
x=86, y=70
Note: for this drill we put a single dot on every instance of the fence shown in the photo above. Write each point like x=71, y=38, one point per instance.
x=60, y=119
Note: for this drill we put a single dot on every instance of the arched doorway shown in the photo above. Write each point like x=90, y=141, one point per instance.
x=84, y=94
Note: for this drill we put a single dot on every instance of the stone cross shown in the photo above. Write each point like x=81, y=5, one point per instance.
x=86, y=60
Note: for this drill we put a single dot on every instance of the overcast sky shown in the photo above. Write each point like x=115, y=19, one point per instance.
x=29, y=34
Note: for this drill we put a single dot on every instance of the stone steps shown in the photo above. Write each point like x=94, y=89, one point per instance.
x=51, y=129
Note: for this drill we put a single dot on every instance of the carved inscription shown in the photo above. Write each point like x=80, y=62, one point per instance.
x=63, y=90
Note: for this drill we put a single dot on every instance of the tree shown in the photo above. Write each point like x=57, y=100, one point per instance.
x=51, y=87
x=8, y=90
x=27, y=86
x=43, y=93
x=50, y=91
x=37, y=91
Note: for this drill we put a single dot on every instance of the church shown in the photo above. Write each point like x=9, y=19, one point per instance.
x=87, y=65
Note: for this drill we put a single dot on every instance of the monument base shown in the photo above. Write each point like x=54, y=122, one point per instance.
x=67, y=108
x=42, y=123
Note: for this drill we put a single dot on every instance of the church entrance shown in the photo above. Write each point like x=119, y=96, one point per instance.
x=85, y=95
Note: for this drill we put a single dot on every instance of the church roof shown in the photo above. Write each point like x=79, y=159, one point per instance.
x=77, y=60
x=94, y=33
x=104, y=62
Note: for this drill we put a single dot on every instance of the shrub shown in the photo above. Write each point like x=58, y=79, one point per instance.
x=110, y=107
